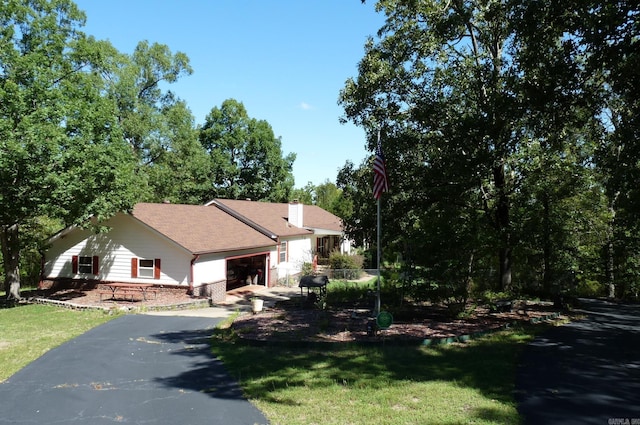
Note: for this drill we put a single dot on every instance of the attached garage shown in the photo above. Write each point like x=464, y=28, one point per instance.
x=247, y=270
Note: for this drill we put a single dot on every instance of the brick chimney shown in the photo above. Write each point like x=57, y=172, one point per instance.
x=295, y=217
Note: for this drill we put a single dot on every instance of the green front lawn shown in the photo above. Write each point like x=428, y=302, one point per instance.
x=28, y=331
x=337, y=384
x=454, y=384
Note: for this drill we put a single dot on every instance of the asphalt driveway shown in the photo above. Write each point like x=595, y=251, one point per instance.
x=134, y=369
x=586, y=372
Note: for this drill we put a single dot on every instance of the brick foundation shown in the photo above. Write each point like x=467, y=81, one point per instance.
x=215, y=291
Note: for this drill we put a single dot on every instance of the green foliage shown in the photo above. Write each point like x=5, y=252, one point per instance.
x=62, y=153
x=329, y=197
x=307, y=269
x=341, y=291
x=345, y=266
x=246, y=158
x=303, y=195
x=589, y=289
x=508, y=168
x=181, y=172
x=142, y=104
x=359, y=217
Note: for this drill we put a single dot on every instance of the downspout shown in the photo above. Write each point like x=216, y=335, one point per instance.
x=193, y=261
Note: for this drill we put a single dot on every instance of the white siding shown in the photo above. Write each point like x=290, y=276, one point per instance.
x=127, y=238
x=298, y=252
x=209, y=268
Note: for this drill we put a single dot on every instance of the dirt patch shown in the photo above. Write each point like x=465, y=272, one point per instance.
x=287, y=321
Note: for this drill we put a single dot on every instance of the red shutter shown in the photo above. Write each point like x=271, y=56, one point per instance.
x=134, y=267
x=74, y=264
x=96, y=265
x=156, y=268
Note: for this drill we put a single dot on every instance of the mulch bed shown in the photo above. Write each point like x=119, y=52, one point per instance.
x=88, y=296
x=288, y=321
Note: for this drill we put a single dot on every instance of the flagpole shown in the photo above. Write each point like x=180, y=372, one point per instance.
x=377, y=309
x=380, y=185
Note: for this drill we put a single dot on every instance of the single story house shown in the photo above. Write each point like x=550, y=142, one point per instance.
x=208, y=248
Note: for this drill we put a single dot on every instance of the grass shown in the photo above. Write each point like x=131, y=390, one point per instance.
x=29, y=331
x=342, y=384
x=454, y=384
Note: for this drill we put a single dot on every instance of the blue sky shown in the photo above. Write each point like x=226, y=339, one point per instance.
x=285, y=60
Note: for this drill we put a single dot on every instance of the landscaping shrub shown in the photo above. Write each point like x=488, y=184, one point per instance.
x=350, y=266
x=307, y=269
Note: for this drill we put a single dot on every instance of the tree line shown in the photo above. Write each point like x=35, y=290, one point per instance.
x=509, y=128
x=87, y=131
x=510, y=131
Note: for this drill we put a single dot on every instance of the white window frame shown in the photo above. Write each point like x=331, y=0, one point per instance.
x=85, y=264
x=146, y=272
x=283, y=252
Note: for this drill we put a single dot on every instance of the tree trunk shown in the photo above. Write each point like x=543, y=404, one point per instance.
x=546, y=244
x=504, y=228
x=610, y=273
x=469, y=278
x=505, y=269
x=610, y=252
x=11, y=260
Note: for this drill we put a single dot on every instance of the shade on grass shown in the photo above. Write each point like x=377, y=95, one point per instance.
x=471, y=383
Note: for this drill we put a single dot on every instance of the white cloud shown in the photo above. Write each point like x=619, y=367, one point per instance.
x=305, y=106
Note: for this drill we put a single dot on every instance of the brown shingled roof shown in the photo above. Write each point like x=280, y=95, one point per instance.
x=318, y=218
x=273, y=216
x=200, y=229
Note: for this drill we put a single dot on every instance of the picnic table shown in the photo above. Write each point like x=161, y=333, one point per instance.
x=126, y=290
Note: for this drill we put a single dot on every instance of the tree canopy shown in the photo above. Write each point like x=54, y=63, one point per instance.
x=246, y=158
x=87, y=131
x=61, y=148
x=498, y=121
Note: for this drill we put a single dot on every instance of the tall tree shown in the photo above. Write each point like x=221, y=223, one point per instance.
x=610, y=31
x=304, y=194
x=247, y=159
x=444, y=69
x=461, y=90
x=181, y=172
x=355, y=184
x=603, y=36
x=143, y=105
x=61, y=150
x=328, y=196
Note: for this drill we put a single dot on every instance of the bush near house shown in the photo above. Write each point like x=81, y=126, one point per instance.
x=351, y=265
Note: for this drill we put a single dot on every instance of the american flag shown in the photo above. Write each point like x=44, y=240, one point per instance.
x=380, y=182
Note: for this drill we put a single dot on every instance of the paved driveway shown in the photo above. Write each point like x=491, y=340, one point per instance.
x=135, y=369
x=587, y=372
